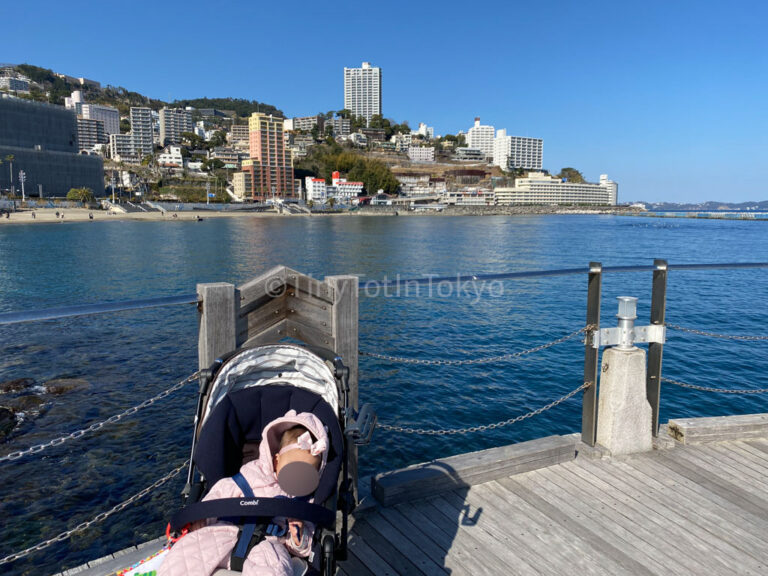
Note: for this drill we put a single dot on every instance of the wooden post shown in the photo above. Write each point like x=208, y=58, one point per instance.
x=656, y=350
x=217, y=334
x=345, y=335
x=589, y=399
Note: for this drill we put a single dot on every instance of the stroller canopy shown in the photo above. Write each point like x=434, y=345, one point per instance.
x=284, y=364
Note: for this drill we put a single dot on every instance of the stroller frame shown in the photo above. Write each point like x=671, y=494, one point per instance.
x=284, y=303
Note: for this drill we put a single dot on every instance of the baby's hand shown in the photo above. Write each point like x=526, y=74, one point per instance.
x=296, y=529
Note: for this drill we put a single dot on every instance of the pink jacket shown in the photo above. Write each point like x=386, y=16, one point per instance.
x=202, y=551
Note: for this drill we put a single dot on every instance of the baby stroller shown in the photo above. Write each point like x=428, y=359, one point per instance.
x=239, y=395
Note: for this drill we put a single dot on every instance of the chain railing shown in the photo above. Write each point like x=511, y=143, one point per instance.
x=97, y=426
x=714, y=334
x=95, y=520
x=487, y=360
x=718, y=390
x=452, y=431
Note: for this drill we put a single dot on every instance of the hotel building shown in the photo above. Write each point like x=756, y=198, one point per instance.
x=538, y=188
x=270, y=166
x=362, y=91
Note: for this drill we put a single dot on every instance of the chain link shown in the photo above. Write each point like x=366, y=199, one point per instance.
x=720, y=390
x=99, y=518
x=450, y=431
x=714, y=335
x=511, y=356
x=97, y=426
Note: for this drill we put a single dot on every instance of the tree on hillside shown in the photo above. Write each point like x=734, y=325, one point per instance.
x=572, y=175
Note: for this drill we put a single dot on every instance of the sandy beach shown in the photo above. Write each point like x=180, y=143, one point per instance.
x=54, y=215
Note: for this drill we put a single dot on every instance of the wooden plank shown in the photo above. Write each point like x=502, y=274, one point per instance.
x=723, y=466
x=464, y=470
x=759, y=445
x=470, y=548
x=217, y=334
x=708, y=479
x=752, y=468
x=260, y=317
x=478, y=542
x=719, y=428
x=548, y=544
x=661, y=472
x=270, y=335
x=302, y=307
x=344, y=329
x=688, y=537
x=359, y=552
x=408, y=543
x=614, y=541
x=757, y=454
x=383, y=548
x=269, y=284
x=306, y=333
x=685, y=513
x=607, y=509
x=318, y=290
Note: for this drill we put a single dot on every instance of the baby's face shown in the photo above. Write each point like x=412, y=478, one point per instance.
x=296, y=455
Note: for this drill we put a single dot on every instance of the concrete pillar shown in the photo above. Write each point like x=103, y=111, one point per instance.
x=624, y=419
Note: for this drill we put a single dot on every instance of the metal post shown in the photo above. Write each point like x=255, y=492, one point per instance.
x=589, y=399
x=655, y=350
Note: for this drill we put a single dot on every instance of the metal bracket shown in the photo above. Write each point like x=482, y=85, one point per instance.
x=612, y=336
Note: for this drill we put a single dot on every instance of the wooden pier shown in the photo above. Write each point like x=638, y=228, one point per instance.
x=680, y=509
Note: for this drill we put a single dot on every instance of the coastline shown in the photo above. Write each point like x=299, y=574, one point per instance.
x=49, y=215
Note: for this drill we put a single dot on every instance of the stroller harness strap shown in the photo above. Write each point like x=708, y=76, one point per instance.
x=246, y=539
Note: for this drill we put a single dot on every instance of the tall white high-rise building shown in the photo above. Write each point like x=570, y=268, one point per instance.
x=481, y=138
x=362, y=91
x=174, y=122
x=142, y=131
x=510, y=152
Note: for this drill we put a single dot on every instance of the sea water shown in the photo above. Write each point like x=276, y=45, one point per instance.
x=108, y=363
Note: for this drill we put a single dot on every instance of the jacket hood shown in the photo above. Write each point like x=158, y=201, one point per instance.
x=270, y=440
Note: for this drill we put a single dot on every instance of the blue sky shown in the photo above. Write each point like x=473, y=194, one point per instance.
x=670, y=99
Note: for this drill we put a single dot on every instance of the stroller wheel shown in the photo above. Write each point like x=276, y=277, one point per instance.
x=329, y=559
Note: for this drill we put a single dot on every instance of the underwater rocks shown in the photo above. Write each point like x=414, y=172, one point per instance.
x=22, y=399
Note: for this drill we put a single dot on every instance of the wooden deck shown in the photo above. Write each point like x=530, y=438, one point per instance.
x=683, y=509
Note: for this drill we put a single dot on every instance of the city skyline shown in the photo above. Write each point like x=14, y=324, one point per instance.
x=668, y=99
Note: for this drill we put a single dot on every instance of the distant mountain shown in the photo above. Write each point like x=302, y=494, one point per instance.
x=705, y=206
x=54, y=89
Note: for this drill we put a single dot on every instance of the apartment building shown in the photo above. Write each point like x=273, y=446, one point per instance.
x=142, y=131
x=421, y=153
x=270, y=165
x=121, y=148
x=481, y=138
x=90, y=133
x=510, y=152
x=539, y=188
x=173, y=123
x=362, y=91
x=341, y=126
x=239, y=136
x=306, y=123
